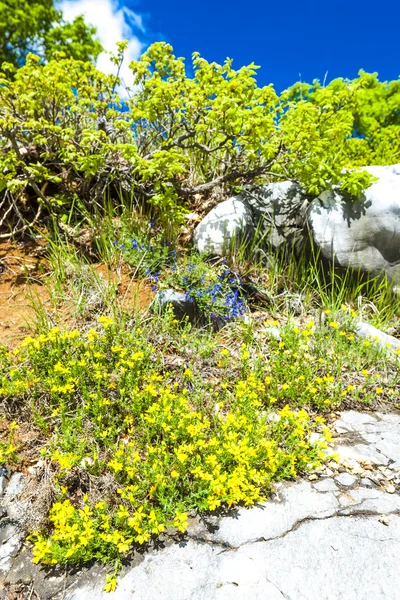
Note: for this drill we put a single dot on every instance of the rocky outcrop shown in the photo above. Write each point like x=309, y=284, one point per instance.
x=362, y=234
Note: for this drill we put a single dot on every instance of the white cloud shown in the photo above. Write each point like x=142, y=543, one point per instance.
x=114, y=23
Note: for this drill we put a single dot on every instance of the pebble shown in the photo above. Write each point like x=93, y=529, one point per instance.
x=325, y=485
x=368, y=483
x=346, y=479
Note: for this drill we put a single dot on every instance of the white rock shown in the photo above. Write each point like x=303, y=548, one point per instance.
x=364, y=330
x=229, y=220
x=362, y=234
x=346, y=479
x=15, y=486
x=325, y=485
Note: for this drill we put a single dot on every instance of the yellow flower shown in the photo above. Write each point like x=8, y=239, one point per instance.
x=378, y=390
x=111, y=583
x=188, y=374
x=334, y=324
x=181, y=521
x=115, y=465
x=106, y=321
x=122, y=512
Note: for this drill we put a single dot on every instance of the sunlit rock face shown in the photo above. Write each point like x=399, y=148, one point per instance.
x=361, y=233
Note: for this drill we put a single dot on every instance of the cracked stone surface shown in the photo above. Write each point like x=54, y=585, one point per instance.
x=335, y=534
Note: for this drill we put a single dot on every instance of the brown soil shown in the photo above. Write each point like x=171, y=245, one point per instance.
x=25, y=279
x=131, y=293
x=22, y=274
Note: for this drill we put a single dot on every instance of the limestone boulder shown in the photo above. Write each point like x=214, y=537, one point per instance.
x=279, y=212
x=361, y=234
x=229, y=221
x=267, y=215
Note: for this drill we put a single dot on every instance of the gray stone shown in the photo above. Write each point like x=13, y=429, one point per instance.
x=368, y=483
x=295, y=503
x=15, y=486
x=180, y=572
x=356, y=420
x=361, y=234
x=319, y=558
x=230, y=221
x=49, y=581
x=380, y=432
x=271, y=215
x=279, y=212
x=342, y=427
x=325, y=485
x=16, y=510
x=4, y=477
x=346, y=479
x=339, y=557
x=9, y=548
x=366, y=331
x=362, y=453
x=182, y=306
x=361, y=500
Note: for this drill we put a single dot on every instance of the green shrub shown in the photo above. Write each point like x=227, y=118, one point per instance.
x=68, y=141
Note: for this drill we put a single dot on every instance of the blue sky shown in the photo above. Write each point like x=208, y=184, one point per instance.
x=285, y=38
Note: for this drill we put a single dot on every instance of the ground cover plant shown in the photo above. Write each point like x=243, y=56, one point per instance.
x=141, y=424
